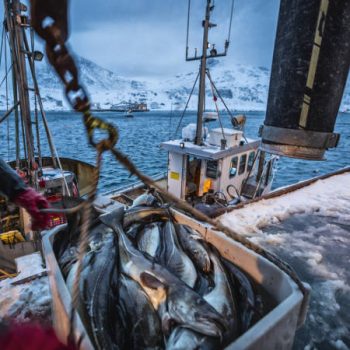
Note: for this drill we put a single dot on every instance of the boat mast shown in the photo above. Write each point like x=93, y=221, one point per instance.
x=203, y=69
x=14, y=20
x=203, y=65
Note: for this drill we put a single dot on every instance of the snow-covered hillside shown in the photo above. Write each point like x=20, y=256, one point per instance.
x=244, y=88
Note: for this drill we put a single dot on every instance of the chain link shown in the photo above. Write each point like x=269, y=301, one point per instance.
x=49, y=19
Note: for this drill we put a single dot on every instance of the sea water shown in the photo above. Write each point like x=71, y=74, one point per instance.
x=140, y=137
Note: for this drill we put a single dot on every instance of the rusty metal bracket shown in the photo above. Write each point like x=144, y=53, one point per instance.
x=298, y=137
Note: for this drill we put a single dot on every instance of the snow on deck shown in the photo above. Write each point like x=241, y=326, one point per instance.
x=30, y=301
x=310, y=229
x=327, y=197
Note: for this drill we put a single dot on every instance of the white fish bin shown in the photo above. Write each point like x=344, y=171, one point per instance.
x=275, y=330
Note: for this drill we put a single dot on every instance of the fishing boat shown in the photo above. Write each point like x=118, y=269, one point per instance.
x=128, y=114
x=211, y=168
x=52, y=175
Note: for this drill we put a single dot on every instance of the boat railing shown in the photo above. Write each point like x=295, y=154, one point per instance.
x=133, y=186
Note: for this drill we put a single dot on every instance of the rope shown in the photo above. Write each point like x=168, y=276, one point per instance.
x=2, y=42
x=231, y=17
x=7, y=107
x=5, y=77
x=218, y=93
x=224, y=103
x=188, y=26
x=31, y=59
x=217, y=109
x=188, y=101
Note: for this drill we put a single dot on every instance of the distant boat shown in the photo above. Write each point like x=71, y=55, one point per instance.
x=128, y=114
x=210, y=117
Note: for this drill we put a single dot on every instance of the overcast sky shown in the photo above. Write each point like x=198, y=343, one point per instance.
x=147, y=37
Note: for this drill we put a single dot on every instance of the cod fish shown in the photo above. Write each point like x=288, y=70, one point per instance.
x=144, y=215
x=145, y=199
x=98, y=291
x=186, y=339
x=249, y=307
x=134, y=230
x=221, y=298
x=173, y=257
x=149, y=240
x=173, y=300
x=191, y=242
x=67, y=259
x=143, y=324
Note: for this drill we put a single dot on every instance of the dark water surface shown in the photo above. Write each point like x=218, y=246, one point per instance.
x=140, y=138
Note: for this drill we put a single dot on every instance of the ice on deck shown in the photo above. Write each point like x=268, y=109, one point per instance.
x=327, y=197
x=310, y=229
x=31, y=299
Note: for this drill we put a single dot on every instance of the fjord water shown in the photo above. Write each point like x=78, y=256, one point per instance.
x=140, y=138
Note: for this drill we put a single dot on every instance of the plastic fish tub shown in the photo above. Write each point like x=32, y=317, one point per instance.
x=275, y=330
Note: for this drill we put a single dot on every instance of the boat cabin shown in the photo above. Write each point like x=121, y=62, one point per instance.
x=223, y=164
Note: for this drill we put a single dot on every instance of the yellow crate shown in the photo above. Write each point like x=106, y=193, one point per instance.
x=12, y=237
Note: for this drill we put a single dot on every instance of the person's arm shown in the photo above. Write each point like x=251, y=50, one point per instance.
x=13, y=187
x=10, y=183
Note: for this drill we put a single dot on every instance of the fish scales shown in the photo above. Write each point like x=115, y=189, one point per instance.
x=194, y=245
x=144, y=327
x=222, y=299
x=149, y=240
x=173, y=257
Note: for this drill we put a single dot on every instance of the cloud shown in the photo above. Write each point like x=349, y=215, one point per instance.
x=147, y=38
x=140, y=37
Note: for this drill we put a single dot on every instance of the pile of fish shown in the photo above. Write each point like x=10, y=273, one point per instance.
x=149, y=283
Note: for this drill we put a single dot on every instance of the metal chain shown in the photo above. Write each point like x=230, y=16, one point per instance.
x=55, y=34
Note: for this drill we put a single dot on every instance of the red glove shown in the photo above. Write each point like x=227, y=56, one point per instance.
x=28, y=337
x=32, y=201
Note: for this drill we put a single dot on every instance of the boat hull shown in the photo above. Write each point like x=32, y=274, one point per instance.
x=82, y=170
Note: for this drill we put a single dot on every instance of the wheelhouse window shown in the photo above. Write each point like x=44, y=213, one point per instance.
x=233, y=167
x=251, y=161
x=242, y=164
x=212, y=169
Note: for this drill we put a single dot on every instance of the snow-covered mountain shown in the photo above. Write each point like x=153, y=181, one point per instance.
x=243, y=88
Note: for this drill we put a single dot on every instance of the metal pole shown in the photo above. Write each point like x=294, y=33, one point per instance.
x=16, y=103
x=14, y=26
x=203, y=68
x=41, y=107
